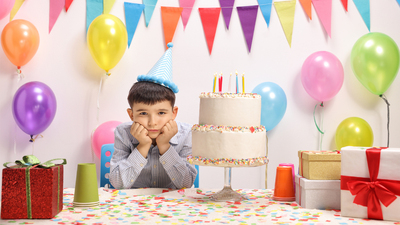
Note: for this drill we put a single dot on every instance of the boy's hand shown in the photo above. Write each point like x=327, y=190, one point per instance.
x=167, y=132
x=139, y=132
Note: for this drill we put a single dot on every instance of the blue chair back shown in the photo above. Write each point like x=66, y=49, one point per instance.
x=107, y=151
x=196, y=181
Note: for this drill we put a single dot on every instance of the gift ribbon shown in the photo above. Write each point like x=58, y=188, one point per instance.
x=30, y=161
x=371, y=191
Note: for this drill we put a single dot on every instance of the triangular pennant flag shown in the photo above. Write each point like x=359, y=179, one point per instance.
x=187, y=6
x=209, y=19
x=170, y=17
x=248, y=16
x=15, y=8
x=324, y=12
x=265, y=7
x=107, y=5
x=149, y=6
x=398, y=1
x=363, y=9
x=133, y=12
x=227, y=7
x=285, y=11
x=67, y=4
x=307, y=7
x=56, y=7
x=94, y=8
x=344, y=3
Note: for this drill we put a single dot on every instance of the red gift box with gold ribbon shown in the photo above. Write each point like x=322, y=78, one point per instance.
x=370, y=183
x=31, y=190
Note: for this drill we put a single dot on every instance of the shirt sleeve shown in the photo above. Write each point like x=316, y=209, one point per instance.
x=181, y=172
x=126, y=164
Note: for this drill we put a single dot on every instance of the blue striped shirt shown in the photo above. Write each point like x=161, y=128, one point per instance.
x=129, y=169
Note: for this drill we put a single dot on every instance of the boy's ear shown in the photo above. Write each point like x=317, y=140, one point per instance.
x=174, y=112
x=130, y=113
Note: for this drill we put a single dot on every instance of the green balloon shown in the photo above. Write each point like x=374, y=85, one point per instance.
x=375, y=61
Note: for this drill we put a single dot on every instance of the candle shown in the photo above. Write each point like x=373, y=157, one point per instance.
x=220, y=84
x=237, y=84
x=215, y=81
x=229, y=85
x=243, y=83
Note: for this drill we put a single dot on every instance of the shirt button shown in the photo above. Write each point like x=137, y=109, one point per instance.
x=155, y=166
x=163, y=163
x=154, y=182
x=131, y=180
x=141, y=164
x=173, y=179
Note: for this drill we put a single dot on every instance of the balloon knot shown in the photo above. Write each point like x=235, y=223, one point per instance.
x=32, y=140
x=108, y=74
x=322, y=104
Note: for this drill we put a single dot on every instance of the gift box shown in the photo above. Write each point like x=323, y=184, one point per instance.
x=319, y=165
x=32, y=191
x=370, y=183
x=317, y=194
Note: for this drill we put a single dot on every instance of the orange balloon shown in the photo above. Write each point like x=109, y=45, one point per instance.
x=20, y=41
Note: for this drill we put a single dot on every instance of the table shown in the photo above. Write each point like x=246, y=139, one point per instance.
x=190, y=206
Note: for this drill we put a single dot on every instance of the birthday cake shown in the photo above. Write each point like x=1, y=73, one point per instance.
x=229, y=133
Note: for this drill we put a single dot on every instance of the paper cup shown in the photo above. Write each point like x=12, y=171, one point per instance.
x=284, y=189
x=86, y=190
x=291, y=165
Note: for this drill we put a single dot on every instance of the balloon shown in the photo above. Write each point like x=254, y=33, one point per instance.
x=375, y=61
x=6, y=6
x=104, y=134
x=34, y=107
x=322, y=75
x=20, y=41
x=107, y=40
x=273, y=104
x=354, y=131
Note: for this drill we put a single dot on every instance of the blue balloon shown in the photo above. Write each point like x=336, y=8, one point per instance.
x=273, y=104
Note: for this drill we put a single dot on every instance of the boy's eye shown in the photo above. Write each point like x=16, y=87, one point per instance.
x=161, y=113
x=143, y=113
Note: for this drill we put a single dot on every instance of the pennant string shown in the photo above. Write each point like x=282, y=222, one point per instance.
x=315, y=122
x=388, y=116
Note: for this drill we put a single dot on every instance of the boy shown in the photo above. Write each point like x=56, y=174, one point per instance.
x=151, y=151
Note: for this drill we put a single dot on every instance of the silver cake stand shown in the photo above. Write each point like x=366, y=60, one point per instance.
x=227, y=193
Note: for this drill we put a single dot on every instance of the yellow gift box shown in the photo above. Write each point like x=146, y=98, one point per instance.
x=320, y=165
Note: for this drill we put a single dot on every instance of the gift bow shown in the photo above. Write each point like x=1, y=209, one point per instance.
x=370, y=192
x=33, y=161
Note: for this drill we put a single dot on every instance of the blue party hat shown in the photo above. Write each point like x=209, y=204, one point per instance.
x=161, y=73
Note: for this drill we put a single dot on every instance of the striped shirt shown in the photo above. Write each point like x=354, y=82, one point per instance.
x=129, y=169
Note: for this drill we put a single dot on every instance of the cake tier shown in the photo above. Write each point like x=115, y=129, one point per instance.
x=227, y=109
x=228, y=146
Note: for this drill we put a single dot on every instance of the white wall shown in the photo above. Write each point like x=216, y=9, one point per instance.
x=64, y=63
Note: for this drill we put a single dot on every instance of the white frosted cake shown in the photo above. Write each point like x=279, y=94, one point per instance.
x=229, y=133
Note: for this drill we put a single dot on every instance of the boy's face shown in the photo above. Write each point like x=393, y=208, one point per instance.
x=153, y=117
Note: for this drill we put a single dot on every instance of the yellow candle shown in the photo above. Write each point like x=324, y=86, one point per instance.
x=243, y=82
x=215, y=81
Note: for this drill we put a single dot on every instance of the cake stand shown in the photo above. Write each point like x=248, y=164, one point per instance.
x=227, y=193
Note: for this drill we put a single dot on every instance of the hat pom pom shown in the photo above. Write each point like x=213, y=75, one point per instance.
x=170, y=45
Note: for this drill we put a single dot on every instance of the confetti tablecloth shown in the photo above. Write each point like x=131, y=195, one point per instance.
x=190, y=206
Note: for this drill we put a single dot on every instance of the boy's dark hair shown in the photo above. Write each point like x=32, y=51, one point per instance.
x=150, y=93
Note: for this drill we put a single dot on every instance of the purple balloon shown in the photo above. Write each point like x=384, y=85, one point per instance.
x=34, y=107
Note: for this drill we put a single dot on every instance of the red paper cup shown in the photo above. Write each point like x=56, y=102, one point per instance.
x=284, y=189
x=291, y=165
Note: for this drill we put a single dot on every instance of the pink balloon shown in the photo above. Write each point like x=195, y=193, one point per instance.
x=104, y=134
x=5, y=7
x=322, y=75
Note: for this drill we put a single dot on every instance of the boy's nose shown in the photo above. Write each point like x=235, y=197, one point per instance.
x=152, y=121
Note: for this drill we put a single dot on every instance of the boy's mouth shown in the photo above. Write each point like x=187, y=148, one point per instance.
x=152, y=130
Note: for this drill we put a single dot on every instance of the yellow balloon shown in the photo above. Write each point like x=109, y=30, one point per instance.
x=354, y=131
x=107, y=40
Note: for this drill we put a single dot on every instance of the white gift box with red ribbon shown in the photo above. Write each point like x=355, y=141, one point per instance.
x=370, y=183
x=317, y=194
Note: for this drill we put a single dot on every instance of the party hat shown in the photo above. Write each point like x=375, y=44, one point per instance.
x=161, y=73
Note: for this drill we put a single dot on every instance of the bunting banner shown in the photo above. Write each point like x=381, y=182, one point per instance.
x=94, y=8
x=14, y=10
x=345, y=3
x=324, y=12
x=209, y=19
x=363, y=9
x=67, y=4
x=398, y=1
x=285, y=11
x=170, y=17
x=56, y=6
x=107, y=5
x=187, y=6
x=133, y=11
x=248, y=16
x=265, y=7
x=227, y=7
x=149, y=6
x=307, y=7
